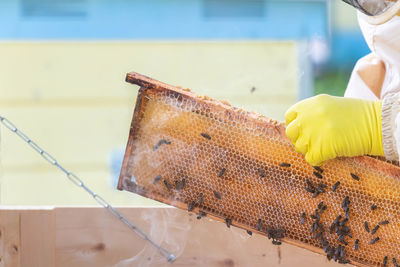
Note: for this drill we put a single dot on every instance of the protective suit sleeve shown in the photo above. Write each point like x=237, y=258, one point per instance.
x=390, y=126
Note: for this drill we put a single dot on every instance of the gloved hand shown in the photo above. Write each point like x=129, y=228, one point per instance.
x=325, y=127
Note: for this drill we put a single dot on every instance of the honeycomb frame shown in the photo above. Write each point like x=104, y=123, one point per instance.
x=248, y=174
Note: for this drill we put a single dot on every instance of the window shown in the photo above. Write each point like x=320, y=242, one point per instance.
x=233, y=8
x=53, y=8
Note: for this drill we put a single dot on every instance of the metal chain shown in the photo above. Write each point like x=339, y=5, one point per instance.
x=78, y=182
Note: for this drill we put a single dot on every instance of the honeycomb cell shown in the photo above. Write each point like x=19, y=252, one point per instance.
x=254, y=185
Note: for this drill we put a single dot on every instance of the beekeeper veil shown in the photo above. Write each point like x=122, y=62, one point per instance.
x=384, y=39
x=377, y=11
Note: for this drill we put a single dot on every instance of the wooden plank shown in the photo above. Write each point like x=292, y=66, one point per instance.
x=10, y=237
x=37, y=230
x=91, y=237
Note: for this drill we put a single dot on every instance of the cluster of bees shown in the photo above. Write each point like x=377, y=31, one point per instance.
x=339, y=225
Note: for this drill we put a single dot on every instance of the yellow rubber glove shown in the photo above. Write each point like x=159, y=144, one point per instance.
x=324, y=127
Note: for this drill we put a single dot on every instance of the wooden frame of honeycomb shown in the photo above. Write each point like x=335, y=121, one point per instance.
x=239, y=168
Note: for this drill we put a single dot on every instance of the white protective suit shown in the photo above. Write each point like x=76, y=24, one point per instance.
x=377, y=76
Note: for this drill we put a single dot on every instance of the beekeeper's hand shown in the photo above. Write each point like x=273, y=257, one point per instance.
x=324, y=127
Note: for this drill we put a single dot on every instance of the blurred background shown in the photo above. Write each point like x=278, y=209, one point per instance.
x=63, y=64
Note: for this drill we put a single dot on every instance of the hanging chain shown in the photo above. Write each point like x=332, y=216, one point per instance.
x=78, y=182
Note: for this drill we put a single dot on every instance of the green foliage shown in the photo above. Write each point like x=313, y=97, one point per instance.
x=333, y=82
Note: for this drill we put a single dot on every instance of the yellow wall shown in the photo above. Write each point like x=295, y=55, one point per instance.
x=72, y=100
